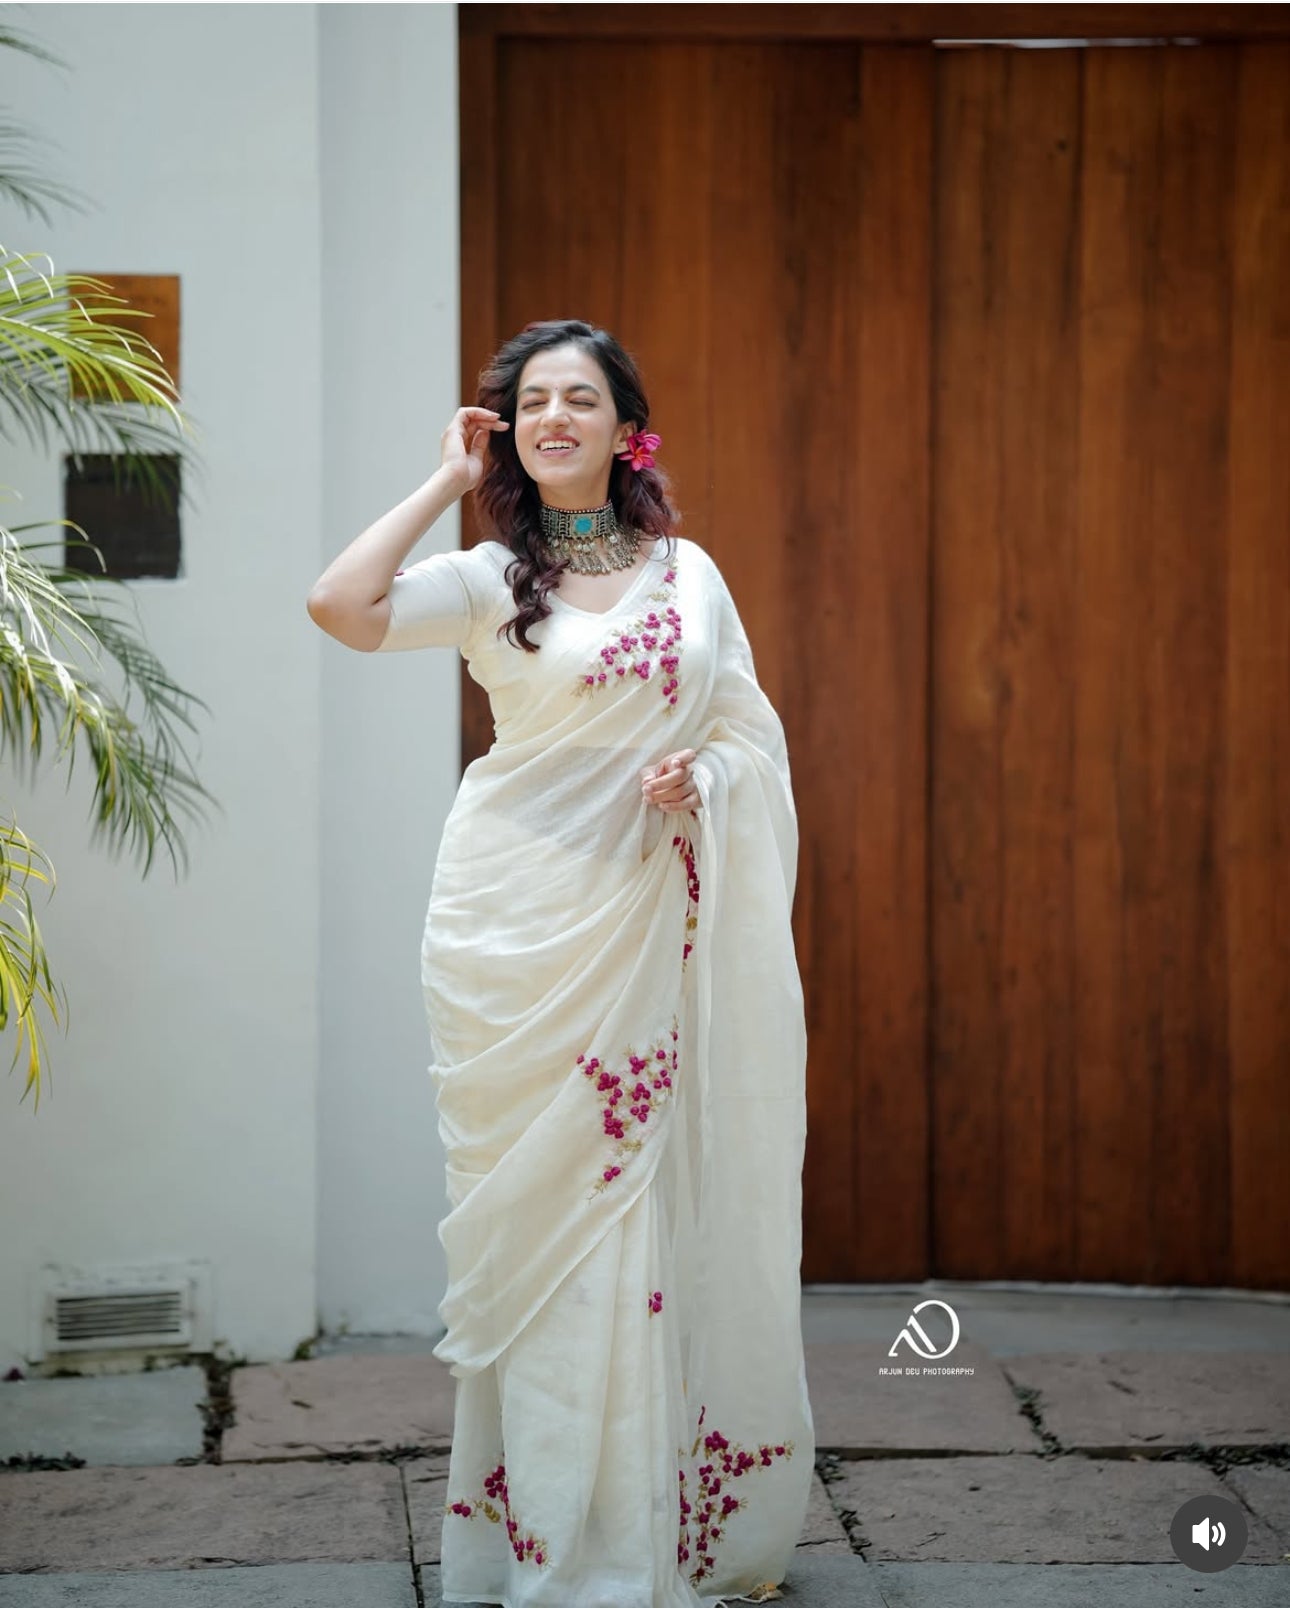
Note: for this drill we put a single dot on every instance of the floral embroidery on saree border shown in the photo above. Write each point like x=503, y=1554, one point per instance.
x=651, y=638
x=527, y=1548
x=646, y=1081
x=724, y=1462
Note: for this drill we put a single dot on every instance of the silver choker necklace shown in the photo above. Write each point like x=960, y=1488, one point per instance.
x=572, y=535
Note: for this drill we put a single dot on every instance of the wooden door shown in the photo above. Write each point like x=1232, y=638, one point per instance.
x=979, y=356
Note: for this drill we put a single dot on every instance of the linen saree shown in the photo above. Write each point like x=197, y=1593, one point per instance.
x=619, y=1049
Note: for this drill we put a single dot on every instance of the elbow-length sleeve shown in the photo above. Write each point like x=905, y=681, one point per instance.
x=440, y=602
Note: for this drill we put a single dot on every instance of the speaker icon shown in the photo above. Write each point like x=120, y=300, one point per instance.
x=1209, y=1533
x=1208, y=1530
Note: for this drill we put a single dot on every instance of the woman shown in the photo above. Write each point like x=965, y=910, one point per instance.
x=615, y=1013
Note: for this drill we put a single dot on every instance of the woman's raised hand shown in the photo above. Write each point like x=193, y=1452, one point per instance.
x=464, y=442
x=669, y=783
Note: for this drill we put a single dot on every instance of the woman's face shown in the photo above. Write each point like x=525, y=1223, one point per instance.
x=564, y=396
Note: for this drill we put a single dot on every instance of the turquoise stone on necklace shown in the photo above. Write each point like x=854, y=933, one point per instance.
x=572, y=534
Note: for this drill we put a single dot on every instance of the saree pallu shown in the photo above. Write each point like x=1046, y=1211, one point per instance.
x=619, y=1058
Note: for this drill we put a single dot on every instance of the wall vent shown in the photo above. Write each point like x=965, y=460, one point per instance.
x=126, y=1308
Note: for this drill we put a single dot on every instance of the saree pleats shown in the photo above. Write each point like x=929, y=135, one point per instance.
x=530, y=1186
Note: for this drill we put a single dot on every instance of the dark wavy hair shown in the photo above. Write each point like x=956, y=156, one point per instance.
x=507, y=495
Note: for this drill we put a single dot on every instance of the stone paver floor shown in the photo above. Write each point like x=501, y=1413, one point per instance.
x=1032, y=1473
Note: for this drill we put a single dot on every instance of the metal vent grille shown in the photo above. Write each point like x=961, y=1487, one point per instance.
x=123, y=1308
x=134, y=1317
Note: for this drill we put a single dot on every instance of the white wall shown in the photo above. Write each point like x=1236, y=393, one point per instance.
x=390, y=723
x=242, y=1081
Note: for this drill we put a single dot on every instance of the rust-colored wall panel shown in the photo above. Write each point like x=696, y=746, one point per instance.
x=157, y=296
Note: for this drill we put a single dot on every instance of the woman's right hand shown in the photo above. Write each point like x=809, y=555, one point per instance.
x=464, y=441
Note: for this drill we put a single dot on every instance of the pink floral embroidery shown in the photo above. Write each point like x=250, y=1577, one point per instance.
x=683, y=1545
x=656, y=1302
x=628, y=652
x=724, y=1462
x=646, y=1081
x=527, y=1548
x=685, y=849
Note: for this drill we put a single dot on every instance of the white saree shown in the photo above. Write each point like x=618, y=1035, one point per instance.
x=619, y=1053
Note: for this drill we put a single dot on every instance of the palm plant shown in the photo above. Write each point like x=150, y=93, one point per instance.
x=71, y=367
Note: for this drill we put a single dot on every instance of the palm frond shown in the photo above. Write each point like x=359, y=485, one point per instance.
x=59, y=328
x=141, y=772
x=72, y=368
x=12, y=39
x=25, y=976
x=21, y=184
x=43, y=320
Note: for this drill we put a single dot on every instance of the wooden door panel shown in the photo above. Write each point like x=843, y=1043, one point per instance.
x=1157, y=282
x=1081, y=727
x=757, y=233
x=1255, y=842
x=1004, y=527
x=971, y=370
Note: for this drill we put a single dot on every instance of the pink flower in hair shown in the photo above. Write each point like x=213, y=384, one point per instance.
x=640, y=448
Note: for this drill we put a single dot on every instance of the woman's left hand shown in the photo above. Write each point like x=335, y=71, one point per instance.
x=669, y=784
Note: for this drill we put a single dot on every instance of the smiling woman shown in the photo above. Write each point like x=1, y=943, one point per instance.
x=559, y=408
x=617, y=1029
x=571, y=486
